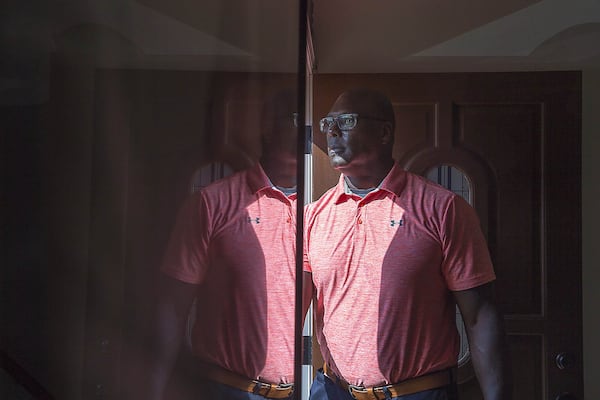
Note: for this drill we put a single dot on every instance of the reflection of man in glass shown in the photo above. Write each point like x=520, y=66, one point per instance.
x=390, y=255
x=232, y=251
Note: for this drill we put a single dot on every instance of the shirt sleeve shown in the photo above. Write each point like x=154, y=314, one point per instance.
x=466, y=259
x=186, y=258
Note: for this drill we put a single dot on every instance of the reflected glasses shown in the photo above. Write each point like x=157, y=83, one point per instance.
x=345, y=122
x=285, y=119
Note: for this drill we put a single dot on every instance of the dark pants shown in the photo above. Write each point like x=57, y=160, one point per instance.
x=324, y=388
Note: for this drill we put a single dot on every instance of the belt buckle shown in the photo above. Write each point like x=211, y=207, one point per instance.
x=260, y=386
x=285, y=387
x=358, y=389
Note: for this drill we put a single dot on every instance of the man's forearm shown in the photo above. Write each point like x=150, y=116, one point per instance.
x=172, y=311
x=489, y=355
x=164, y=350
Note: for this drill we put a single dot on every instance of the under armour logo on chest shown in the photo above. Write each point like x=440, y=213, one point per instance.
x=400, y=222
x=254, y=220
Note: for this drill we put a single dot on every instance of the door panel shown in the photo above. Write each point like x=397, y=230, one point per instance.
x=517, y=137
x=483, y=129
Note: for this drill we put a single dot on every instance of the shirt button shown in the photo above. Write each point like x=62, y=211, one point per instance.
x=360, y=221
x=289, y=220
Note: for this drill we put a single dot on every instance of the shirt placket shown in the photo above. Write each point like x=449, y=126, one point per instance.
x=289, y=218
x=359, y=227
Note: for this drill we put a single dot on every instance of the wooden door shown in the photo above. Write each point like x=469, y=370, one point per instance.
x=517, y=137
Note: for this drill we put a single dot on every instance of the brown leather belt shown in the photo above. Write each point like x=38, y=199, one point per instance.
x=409, y=386
x=226, y=377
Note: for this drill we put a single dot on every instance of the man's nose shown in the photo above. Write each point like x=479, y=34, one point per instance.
x=334, y=130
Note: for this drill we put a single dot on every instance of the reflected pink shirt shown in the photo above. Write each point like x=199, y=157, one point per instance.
x=236, y=238
x=384, y=268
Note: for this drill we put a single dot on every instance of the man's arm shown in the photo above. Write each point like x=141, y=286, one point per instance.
x=486, y=337
x=174, y=302
x=307, y=296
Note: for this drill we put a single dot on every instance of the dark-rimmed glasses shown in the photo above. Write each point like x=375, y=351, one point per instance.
x=345, y=122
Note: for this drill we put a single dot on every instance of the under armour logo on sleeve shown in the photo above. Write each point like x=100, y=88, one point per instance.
x=255, y=220
x=400, y=222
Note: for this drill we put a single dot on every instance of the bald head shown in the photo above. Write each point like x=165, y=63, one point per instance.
x=281, y=104
x=279, y=133
x=369, y=102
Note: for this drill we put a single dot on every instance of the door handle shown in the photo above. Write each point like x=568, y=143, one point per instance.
x=563, y=360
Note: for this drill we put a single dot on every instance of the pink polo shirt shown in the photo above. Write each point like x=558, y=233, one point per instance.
x=384, y=268
x=236, y=238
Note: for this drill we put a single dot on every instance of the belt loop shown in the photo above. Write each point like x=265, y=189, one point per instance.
x=388, y=394
x=351, y=392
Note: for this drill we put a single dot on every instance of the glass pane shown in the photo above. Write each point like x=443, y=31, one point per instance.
x=456, y=181
x=452, y=179
x=116, y=117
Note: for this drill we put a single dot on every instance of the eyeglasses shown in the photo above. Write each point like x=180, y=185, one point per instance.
x=345, y=122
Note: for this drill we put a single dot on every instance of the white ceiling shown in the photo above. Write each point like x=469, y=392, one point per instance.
x=349, y=35
x=458, y=35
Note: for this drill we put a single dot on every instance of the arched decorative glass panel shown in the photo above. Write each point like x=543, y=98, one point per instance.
x=458, y=182
x=452, y=179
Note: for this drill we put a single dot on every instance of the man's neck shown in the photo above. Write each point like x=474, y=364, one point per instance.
x=369, y=177
x=281, y=173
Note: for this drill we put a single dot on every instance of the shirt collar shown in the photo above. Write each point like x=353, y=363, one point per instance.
x=259, y=181
x=395, y=180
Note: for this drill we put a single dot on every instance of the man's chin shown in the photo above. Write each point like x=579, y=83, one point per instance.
x=337, y=162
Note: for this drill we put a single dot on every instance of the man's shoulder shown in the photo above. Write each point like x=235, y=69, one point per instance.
x=236, y=180
x=417, y=184
x=327, y=200
x=225, y=189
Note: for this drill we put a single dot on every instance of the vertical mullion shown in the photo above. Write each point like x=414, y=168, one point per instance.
x=300, y=150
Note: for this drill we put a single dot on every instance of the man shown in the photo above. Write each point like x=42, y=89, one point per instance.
x=233, y=252
x=390, y=255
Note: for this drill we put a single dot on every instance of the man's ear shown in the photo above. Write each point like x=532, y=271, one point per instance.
x=387, y=135
x=266, y=134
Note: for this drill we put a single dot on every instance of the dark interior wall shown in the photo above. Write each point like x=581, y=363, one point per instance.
x=67, y=182
x=23, y=272
x=45, y=195
x=91, y=178
x=591, y=221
